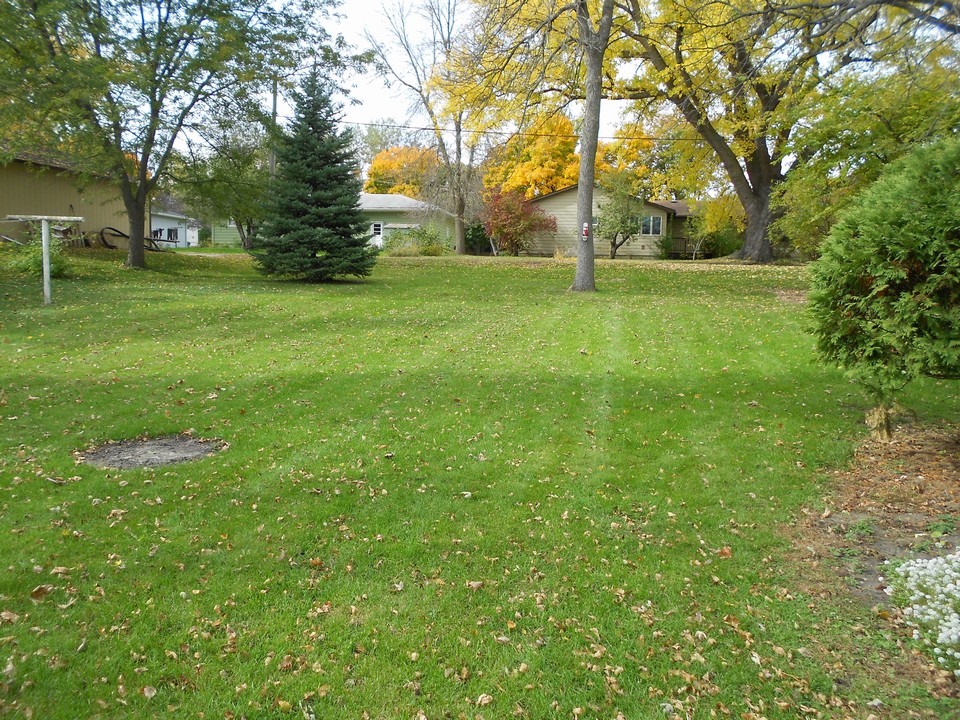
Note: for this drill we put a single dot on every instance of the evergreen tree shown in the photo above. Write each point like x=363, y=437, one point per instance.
x=886, y=290
x=312, y=228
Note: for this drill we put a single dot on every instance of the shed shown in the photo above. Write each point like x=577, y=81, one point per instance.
x=171, y=226
x=40, y=184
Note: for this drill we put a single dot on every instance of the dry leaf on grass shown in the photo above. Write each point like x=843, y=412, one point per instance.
x=40, y=592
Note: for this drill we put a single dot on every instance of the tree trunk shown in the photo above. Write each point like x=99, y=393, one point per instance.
x=459, y=226
x=616, y=245
x=137, y=214
x=594, y=44
x=245, y=231
x=584, y=280
x=459, y=193
x=696, y=249
x=756, y=244
x=135, y=201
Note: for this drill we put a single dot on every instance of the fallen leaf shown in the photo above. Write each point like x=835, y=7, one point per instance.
x=40, y=592
x=148, y=691
x=484, y=699
x=475, y=584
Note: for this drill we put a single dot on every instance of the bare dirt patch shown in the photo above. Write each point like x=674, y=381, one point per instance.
x=151, y=452
x=898, y=500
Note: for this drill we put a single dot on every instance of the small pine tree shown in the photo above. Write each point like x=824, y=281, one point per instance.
x=313, y=229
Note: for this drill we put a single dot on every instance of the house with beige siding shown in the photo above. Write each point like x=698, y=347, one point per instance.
x=34, y=185
x=662, y=222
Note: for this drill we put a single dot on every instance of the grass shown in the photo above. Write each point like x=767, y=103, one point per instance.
x=211, y=249
x=453, y=489
x=860, y=530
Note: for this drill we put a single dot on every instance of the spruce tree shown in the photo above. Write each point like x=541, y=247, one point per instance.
x=312, y=228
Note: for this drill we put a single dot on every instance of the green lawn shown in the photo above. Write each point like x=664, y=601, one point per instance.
x=454, y=487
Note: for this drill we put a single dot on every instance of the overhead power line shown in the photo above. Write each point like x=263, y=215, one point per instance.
x=508, y=133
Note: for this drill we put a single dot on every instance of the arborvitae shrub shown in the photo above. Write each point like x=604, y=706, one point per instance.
x=886, y=289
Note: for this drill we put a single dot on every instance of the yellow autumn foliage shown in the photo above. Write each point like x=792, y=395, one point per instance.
x=402, y=170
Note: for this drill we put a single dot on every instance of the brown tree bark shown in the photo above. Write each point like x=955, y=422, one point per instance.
x=593, y=41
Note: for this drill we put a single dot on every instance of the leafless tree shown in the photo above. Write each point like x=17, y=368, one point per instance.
x=415, y=57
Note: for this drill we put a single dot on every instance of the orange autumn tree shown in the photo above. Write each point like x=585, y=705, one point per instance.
x=405, y=170
x=537, y=161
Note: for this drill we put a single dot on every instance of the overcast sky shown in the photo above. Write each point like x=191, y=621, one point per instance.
x=375, y=100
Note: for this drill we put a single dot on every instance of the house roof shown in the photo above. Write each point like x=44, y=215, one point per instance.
x=680, y=208
x=180, y=217
x=551, y=194
x=167, y=204
x=47, y=158
x=391, y=202
x=41, y=157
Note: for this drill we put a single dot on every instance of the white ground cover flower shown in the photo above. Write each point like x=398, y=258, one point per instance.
x=929, y=592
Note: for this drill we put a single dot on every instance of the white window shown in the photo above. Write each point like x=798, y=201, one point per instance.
x=376, y=229
x=651, y=225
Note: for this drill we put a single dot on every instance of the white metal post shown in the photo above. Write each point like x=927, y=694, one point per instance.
x=45, y=221
x=45, y=244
